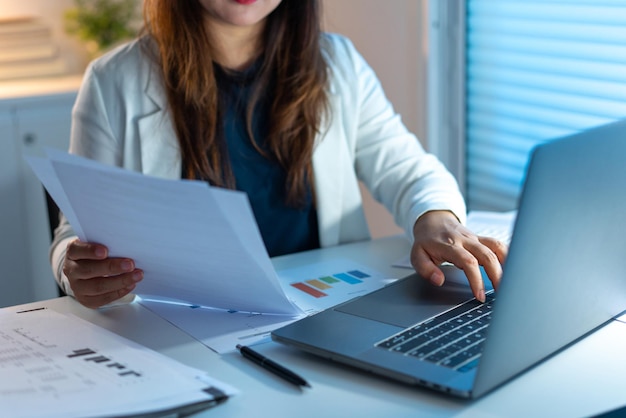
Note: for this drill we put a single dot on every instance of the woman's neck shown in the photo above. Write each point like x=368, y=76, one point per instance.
x=236, y=46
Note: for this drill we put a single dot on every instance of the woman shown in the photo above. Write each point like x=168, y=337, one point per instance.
x=249, y=94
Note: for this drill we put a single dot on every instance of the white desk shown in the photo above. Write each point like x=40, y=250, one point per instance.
x=586, y=379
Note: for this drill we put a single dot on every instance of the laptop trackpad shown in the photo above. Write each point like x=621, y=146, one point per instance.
x=407, y=301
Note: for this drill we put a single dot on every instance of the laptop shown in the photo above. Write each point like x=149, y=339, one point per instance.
x=564, y=277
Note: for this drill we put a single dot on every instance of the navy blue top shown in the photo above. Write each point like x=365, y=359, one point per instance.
x=284, y=229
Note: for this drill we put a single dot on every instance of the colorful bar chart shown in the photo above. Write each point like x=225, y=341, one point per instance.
x=319, y=287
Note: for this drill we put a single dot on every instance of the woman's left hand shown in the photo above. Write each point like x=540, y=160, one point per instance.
x=440, y=237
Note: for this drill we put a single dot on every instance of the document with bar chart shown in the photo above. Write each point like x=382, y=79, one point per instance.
x=316, y=287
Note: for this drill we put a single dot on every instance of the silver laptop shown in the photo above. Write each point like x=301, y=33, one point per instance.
x=564, y=277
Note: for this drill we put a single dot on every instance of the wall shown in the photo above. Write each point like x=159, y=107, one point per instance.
x=391, y=36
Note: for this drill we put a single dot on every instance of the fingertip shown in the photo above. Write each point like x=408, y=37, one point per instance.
x=137, y=275
x=127, y=265
x=437, y=279
x=426, y=268
x=100, y=252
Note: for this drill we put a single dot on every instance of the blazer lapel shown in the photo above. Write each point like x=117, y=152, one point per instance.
x=160, y=155
x=327, y=164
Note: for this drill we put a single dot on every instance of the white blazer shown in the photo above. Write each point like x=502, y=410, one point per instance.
x=121, y=118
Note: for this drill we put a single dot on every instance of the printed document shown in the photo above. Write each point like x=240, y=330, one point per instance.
x=57, y=365
x=195, y=243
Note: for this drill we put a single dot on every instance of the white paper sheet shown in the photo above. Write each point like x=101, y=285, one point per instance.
x=62, y=366
x=45, y=173
x=217, y=329
x=194, y=243
x=498, y=225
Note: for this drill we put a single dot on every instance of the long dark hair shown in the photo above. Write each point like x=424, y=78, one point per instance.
x=292, y=54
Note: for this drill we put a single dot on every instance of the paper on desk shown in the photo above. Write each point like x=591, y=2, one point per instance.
x=317, y=286
x=219, y=330
x=498, y=225
x=62, y=366
x=195, y=243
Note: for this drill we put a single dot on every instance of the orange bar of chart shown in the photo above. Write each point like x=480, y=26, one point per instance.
x=308, y=289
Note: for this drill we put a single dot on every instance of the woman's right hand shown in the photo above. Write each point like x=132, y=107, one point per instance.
x=96, y=279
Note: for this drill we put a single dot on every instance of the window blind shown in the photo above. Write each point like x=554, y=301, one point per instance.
x=536, y=70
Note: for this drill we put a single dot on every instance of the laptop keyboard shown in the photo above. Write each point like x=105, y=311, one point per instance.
x=452, y=339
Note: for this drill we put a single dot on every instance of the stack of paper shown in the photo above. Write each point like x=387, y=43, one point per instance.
x=58, y=365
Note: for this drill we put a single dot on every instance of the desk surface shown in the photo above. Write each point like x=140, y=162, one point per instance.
x=583, y=380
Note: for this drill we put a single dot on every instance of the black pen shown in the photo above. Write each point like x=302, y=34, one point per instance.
x=272, y=366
